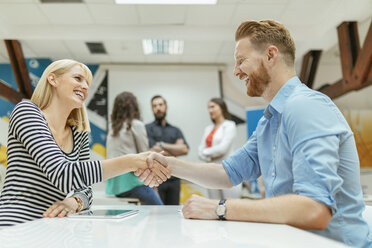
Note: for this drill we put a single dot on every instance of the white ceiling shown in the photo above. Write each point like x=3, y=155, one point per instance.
x=60, y=30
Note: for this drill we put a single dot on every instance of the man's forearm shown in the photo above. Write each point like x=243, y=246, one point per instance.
x=295, y=210
x=208, y=175
x=175, y=149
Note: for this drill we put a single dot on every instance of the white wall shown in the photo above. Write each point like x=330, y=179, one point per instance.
x=187, y=90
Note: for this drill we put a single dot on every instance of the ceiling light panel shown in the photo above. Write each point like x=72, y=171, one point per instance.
x=172, y=47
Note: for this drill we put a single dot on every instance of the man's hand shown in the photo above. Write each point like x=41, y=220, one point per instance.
x=61, y=208
x=157, y=171
x=198, y=207
x=158, y=148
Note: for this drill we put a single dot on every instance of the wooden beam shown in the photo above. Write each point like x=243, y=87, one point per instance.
x=9, y=93
x=363, y=65
x=356, y=63
x=309, y=66
x=18, y=62
x=348, y=40
x=334, y=90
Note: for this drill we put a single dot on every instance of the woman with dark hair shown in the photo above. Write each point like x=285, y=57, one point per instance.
x=128, y=136
x=216, y=143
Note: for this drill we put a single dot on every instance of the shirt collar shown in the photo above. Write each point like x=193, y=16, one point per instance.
x=281, y=97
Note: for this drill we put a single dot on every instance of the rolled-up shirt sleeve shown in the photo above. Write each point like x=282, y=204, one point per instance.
x=243, y=164
x=314, y=170
x=315, y=136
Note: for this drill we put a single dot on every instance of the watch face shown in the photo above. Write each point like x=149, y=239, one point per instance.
x=220, y=210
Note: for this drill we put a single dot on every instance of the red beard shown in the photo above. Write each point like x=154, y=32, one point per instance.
x=258, y=81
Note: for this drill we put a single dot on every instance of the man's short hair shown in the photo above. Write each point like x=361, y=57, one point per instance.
x=158, y=96
x=268, y=32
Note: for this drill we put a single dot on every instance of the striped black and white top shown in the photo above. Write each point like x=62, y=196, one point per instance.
x=38, y=171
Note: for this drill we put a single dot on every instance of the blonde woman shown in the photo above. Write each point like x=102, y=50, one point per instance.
x=48, y=150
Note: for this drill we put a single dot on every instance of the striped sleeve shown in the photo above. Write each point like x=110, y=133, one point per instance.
x=28, y=127
x=85, y=194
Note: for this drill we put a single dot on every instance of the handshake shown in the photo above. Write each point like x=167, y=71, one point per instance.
x=152, y=168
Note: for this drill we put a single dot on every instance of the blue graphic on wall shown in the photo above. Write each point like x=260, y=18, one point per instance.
x=97, y=135
x=7, y=75
x=36, y=68
x=253, y=116
x=5, y=108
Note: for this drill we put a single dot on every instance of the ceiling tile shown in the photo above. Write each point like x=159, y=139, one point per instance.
x=112, y=14
x=71, y=14
x=22, y=14
x=209, y=59
x=307, y=13
x=120, y=48
x=152, y=15
x=19, y=1
x=161, y=58
x=214, y=15
x=201, y=47
x=48, y=48
x=101, y=1
x=128, y=58
x=77, y=47
x=92, y=58
x=257, y=11
x=251, y=1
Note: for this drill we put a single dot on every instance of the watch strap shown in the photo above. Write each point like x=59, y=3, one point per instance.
x=222, y=203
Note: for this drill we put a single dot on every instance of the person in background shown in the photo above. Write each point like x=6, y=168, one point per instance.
x=303, y=148
x=216, y=143
x=163, y=137
x=128, y=136
x=48, y=169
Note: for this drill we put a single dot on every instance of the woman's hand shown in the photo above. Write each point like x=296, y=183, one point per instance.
x=157, y=172
x=62, y=208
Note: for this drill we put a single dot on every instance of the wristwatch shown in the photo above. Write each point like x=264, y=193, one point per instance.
x=221, y=209
x=161, y=144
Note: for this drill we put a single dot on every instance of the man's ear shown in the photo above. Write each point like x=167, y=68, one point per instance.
x=52, y=79
x=272, y=53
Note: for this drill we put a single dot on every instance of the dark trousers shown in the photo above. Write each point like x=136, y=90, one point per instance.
x=169, y=192
x=146, y=195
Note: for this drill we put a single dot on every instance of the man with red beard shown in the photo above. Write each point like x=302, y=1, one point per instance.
x=166, y=138
x=302, y=147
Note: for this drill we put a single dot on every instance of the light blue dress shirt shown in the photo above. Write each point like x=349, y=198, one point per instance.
x=303, y=145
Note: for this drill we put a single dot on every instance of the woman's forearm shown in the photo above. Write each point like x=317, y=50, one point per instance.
x=123, y=164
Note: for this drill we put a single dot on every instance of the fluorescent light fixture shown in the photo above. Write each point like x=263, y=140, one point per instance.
x=166, y=1
x=172, y=47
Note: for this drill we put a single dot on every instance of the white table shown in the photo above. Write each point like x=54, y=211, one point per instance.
x=157, y=226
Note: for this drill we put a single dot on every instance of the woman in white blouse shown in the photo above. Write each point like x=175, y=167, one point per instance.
x=216, y=143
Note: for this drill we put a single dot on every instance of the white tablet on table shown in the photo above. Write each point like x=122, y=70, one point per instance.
x=104, y=214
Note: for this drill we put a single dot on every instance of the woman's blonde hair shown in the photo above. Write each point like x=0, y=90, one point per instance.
x=42, y=95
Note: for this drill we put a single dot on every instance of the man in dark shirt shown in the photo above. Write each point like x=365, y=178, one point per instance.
x=169, y=139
